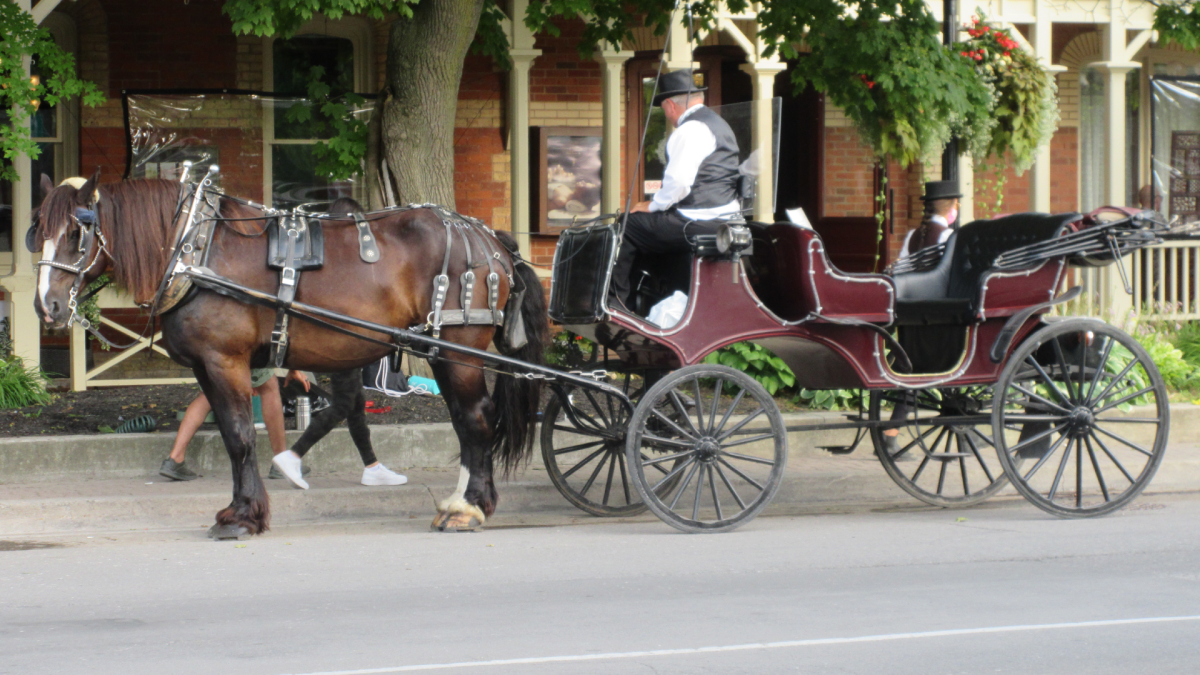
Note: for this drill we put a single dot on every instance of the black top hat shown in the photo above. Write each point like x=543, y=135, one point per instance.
x=941, y=189
x=676, y=83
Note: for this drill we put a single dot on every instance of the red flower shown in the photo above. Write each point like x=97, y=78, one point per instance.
x=870, y=84
x=1008, y=53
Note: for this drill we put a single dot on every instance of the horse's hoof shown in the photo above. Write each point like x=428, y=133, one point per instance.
x=456, y=522
x=439, y=521
x=230, y=531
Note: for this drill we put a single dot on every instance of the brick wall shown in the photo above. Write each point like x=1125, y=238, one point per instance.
x=849, y=174
x=1000, y=190
x=1064, y=170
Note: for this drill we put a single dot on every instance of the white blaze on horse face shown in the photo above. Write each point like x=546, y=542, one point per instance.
x=44, y=274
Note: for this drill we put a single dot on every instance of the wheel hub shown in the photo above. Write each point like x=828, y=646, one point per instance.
x=707, y=450
x=1080, y=421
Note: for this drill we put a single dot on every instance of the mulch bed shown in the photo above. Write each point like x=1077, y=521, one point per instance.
x=86, y=411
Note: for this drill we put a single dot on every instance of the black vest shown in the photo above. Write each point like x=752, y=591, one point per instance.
x=716, y=181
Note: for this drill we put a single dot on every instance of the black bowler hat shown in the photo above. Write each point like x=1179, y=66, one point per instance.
x=676, y=83
x=941, y=189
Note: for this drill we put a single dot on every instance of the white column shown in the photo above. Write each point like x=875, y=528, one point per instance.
x=966, y=185
x=1039, y=178
x=20, y=285
x=679, y=50
x=762, y=75
x=518, y=147
x=613, y=64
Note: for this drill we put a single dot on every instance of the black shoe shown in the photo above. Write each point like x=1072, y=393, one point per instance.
x=275, y=473
x=176, y=470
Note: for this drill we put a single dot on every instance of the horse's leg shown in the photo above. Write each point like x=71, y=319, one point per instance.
x=473, y=417
x=227, y=387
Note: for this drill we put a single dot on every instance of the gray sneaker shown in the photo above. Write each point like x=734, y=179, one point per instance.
x=176, y=470
x=276, y=474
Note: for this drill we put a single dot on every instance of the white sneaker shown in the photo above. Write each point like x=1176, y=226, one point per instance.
x=381, y=475
x=290, y=465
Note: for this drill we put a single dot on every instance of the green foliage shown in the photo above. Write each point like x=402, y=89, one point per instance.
x=341, y=156
x=284, y=17
x=21, y=386
x=1176, y=21
x=1024, y=106
x=1177, y=373
x=90, y=308
x=830, y=399
x=19, y=96
x=1187, y=340
x=569, y=350
x=769, y=370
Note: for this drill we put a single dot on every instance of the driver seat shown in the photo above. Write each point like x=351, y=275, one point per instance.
x=951, y=292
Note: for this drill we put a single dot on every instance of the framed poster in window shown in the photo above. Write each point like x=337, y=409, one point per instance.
x=566, y=176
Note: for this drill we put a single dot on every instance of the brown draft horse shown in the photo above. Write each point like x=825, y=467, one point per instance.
x=221, y=338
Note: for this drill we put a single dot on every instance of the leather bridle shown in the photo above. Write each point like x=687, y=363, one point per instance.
x=91, y=244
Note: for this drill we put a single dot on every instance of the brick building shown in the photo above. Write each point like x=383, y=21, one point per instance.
x=553, y=91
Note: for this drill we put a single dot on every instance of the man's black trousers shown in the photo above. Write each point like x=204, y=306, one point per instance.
x=650, y=234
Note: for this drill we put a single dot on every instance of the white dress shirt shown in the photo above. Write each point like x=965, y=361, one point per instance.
x=941, y=237
x=687, y=147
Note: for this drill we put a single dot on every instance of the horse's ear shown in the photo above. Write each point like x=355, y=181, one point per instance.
x=47, y=186
x=84, y=196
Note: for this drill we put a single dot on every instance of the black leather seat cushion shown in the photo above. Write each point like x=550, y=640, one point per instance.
x=948, y=293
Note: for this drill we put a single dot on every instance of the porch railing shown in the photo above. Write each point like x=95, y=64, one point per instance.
x=1165, y=280
x=82, y=378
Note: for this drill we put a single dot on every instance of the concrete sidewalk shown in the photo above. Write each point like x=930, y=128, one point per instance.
x=105, y=484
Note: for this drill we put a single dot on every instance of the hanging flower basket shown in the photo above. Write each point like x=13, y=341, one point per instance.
x=1024, y=96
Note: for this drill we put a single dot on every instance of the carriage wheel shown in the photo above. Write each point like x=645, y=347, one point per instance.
x=586, y=461
x=1099, y=413
x=934, y=459
x=724, y=435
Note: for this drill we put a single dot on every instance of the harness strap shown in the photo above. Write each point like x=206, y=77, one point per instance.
x=367, y=249
x=289, y=279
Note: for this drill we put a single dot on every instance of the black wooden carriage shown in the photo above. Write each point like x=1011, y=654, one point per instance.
x=956, y=350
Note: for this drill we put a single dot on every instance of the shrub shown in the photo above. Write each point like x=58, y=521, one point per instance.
x=21, y=386
x=769, y=370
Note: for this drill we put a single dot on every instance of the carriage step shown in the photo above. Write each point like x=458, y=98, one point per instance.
x=947, y=456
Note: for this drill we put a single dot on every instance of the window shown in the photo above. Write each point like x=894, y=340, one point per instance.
x=339, y=50
x=640, y=76
x=1092, y=130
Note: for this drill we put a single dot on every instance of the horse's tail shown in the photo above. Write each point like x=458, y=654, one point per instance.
x=516, y=398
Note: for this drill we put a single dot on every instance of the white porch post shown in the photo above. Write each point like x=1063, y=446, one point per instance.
x=1042, y=48
x=20, y=285
x=1115, y=68
x=762, y=75
x=522, y=54
x=613, y=63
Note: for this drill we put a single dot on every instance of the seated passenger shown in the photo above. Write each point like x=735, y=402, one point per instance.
x=941, y=210
x=699, y=183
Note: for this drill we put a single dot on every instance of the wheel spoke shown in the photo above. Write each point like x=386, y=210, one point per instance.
x=699, y=489
x=729, y=486
x=1032, y=439
x=941, y=477
x=598, y=408
x=979, y=458
x=1079, y=471
x=1054, y=387
x=612, y=467
x=1113, y=458
x=1043, y=458
x=665, y=458
x=1123, y=399
x=1062, y=365
x=683, y=487
x=651, y=438
x=744, y=477
x=747, y=458
x=669, y=422
x=1040, y=399
x=674, y=472
x=920, y=469
x=580, y=465
x=1099, y=369
x=591, y=479
x=741, y=424
x=962, y=463
x=1130, y=420
x=582, y=431
x=574, y=448
x=699, y=409
x=1021, y=417
x=1062, y=465
x=712, y=483
x=913, y=442
x=682, y=411
x=733, y=406
x=716, y=404
x=750, y=439
x=1113, y=382
x=1096, y=467
x=654, y=466
x=1124, y=440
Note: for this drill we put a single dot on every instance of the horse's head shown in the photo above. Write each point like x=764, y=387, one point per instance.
x=66, y=231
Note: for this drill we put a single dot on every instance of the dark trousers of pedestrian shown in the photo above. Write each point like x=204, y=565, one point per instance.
x=649, y=234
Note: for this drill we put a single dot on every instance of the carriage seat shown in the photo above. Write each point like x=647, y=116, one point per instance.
x=950, y=293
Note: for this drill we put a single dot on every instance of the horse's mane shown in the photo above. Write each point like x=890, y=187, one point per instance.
x=138, y=218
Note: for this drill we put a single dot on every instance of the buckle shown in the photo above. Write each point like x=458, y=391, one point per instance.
x=288, y=276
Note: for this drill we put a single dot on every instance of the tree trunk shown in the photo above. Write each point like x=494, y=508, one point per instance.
x=425, y=63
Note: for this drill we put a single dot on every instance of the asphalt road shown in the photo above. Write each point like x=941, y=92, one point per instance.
x=1001, y=589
